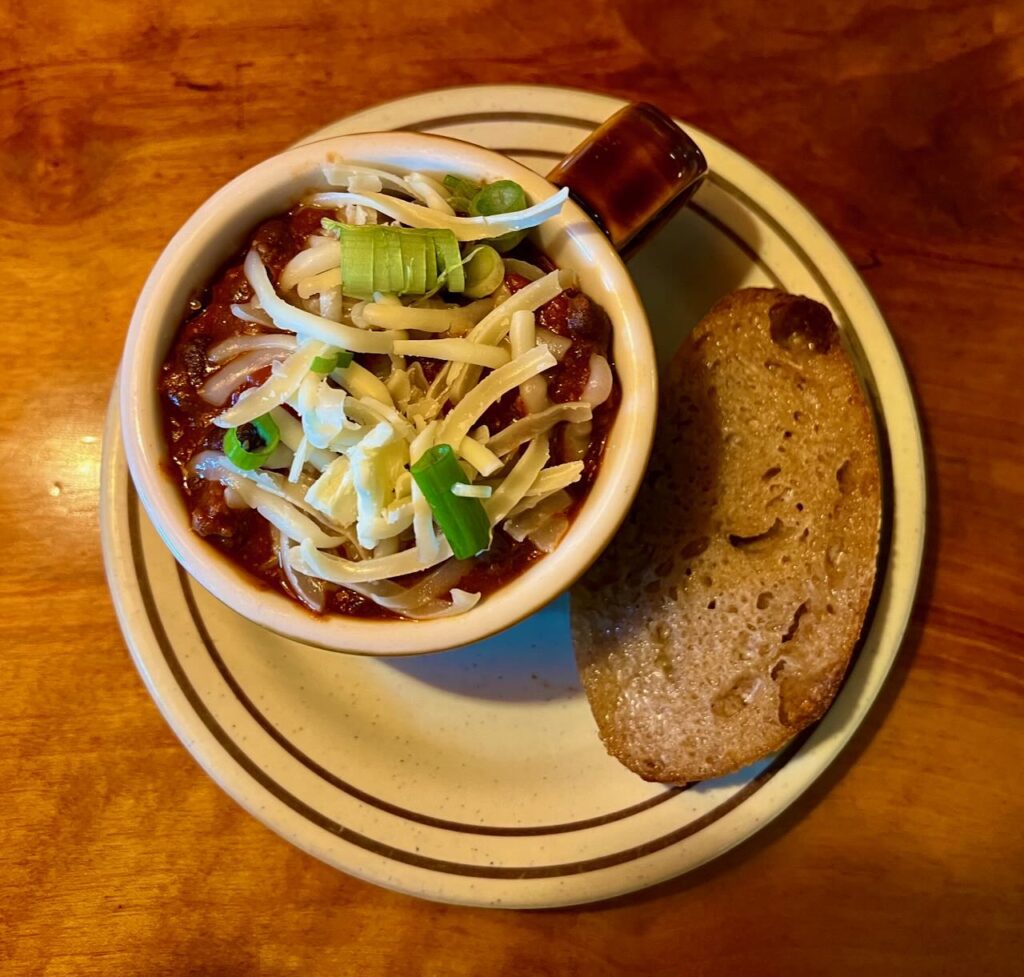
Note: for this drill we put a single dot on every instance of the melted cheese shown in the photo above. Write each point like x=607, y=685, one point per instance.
x=376, y=462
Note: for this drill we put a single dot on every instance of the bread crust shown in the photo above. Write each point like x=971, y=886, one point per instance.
x=721, y=620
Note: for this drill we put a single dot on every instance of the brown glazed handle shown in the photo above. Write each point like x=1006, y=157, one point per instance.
x=632, y=174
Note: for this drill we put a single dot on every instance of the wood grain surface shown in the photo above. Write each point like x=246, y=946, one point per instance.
x=901, y=124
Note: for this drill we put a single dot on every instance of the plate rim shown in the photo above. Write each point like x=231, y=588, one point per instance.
x=838, y=742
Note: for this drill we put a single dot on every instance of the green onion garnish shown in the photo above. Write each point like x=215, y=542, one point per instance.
x=462, y=520
x=463, y=191
x=398, y=260
x=250, y=445
x=446, y=247
x=333, y=361
x=500, y=197
x=485, y=271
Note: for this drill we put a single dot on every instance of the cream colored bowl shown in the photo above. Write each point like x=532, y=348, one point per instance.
x=219, y=229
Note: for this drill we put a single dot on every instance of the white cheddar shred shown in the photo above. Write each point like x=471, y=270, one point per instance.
x=494, y=386
x=335, y=483
x=307, y=324
x=456, y=350
x=519, y=480
x=464, y=228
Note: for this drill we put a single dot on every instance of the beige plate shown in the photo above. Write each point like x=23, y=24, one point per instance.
x=477, y=776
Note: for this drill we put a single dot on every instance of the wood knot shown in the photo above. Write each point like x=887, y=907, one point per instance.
x=55, y=164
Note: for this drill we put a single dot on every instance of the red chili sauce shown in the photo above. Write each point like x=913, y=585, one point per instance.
x=245, y=536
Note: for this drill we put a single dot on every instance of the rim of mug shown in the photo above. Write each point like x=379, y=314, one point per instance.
x=218, y=228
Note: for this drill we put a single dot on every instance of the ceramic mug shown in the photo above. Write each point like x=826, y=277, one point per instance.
x=624, y=181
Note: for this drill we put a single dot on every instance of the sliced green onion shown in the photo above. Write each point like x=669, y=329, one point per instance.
x=357, y=260
x=398, y=260
x=414, y=265
x=380, y=275
x=328, y=364
x=485, y=271
x=250, y=445
x=395, y=264
x=500, y=197
x=462, y=520
x=450, y=258
x=461, y=186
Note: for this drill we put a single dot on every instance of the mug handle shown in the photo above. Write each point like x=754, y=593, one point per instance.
x=632, y=174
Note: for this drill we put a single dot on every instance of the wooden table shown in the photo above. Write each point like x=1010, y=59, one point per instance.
x=900, y=124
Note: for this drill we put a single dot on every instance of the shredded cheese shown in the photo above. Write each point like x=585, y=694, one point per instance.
x=293, y=436
x=494, y=386
x=319, y=258
x=315, y=284
x=282, y=514
x=530, y=515
x=385, y=412
x=306, y=558
x=376, y=462
x=285, y=377
x=334, y=494
x=493, y=328
x=401, y=317
x=339, y=480
x=556, y=477
x=479, y=456
x=427, y=543
x=307, y=324
x=360, y=382
x=455, y=350
x=533, y=425
x=464, y=228
x=466, y=491
x=518, y=482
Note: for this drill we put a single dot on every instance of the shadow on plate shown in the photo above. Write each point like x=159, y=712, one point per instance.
x=694, y=261
x=532, y=662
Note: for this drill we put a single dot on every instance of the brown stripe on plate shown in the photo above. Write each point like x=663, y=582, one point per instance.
x=468, y=118
x=365, y=797
x=383, y=849
x=537, y=153
x=736, y=239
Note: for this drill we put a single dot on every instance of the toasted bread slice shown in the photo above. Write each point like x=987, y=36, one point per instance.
x=721, y=620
